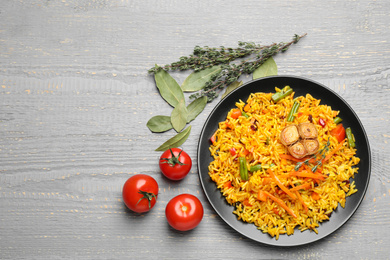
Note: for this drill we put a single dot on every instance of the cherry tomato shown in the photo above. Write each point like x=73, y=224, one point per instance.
x=175, y=164
x=184, y=212
x=140, y=193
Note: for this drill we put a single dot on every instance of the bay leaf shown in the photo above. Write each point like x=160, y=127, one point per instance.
x=268, y=68
x=197, y=80
x=196, y=107
x=169, y=89
x=175, y=141
x=159, y=124
x=179, y=116
x=231, y=87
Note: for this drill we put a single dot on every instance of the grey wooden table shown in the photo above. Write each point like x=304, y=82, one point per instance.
x=75, y=97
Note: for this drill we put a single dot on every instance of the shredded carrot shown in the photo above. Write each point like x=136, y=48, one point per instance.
x=262, y=195
x=335, y=150
x=307, y=174
x=281, y=203
x=301, y=200
x=247, y=107
x=266, y=180
x=315, y=195
x=304, y=186
x=280, y=184
x=246, y=203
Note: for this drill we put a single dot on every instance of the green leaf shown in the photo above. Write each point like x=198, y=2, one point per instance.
x=168, y=87
x=268, y=68
x=197, y=80
x=195, y=108
x=175, y=141
x=158, y=124
x=179, y=116
x=231, y=87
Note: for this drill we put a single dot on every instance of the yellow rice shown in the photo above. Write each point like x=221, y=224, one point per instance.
x=264, y=147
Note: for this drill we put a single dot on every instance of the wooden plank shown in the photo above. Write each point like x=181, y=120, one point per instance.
x=75, y=97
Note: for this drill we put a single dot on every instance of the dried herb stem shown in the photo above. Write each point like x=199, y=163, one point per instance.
x=206, y=57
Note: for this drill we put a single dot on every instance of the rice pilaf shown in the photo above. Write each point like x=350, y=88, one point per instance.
x=278, y=196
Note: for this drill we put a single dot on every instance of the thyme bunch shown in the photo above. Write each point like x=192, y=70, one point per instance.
x=206, y=57
x=321, y=153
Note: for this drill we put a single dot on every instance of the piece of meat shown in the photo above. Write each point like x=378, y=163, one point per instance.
x=297, y=150
x=289, y=135
x=311, y=146
x=307, y=130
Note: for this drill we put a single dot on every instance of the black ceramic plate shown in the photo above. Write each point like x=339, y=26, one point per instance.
x=301, y=86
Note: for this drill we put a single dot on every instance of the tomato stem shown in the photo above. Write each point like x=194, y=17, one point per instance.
x=173, y=160
x=148, y=196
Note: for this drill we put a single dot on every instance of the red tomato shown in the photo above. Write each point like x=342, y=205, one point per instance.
x=184, y=212
x=140, y=193
x=175, y=164
x=339, y=132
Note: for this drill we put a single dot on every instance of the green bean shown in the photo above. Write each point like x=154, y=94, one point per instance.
x=286, y=91
x=293, y=111
x=337, y=120
x=244, y=114
x=350, y=137
x=256, y=167
x=243, y=169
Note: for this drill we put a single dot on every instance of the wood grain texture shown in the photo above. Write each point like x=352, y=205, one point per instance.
x=75, y=97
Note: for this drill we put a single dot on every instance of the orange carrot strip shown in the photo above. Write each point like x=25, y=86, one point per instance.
x=247, y=107
x=280, y=184
x=307, y=174
x=301, y=200
x=266, y=180
x=282, y=204
x=304, y=186
x=262, y=195
x=335, y=150
x=315, y=195
x=246, y=203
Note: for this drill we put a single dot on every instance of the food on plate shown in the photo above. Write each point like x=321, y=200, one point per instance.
x=140, y=192
x=289, y=135
x=175, y=164
x=307, y=130
x=311, y=146
x=297, y=150
x=283, y=170
x=184, y=212
x=300, y=140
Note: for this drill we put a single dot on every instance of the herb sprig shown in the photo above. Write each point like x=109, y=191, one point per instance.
x=206, y=57
x=318, y=162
